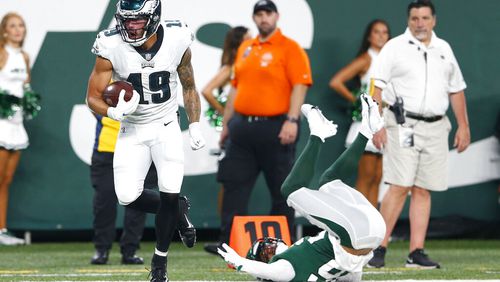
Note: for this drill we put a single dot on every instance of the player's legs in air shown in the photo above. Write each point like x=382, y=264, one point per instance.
x=342, y=211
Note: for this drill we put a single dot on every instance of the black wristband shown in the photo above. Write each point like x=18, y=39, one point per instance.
x=292, y=119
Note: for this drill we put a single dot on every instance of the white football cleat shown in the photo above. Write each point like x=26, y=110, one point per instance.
x=319, y=125
x=372, y=122
x=10, y=240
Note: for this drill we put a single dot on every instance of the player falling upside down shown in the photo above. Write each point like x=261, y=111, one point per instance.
x=352, y=226
x=151, y=54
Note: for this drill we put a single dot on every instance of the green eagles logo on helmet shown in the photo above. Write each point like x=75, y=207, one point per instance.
x=137, y=20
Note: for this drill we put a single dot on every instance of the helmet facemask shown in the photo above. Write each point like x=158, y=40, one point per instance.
x=264, y=249
x=137, y=20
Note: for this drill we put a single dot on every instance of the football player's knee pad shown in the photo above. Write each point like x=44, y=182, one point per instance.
x=169, y=186
x=376, y=231
x=369, y=228
x=170, y=183
x=127, y=196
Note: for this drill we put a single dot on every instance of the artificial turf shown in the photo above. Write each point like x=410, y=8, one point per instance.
x=460, y=260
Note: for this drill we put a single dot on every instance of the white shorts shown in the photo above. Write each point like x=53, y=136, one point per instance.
x=343, y=212
x=353, y=133
x=13, y=136
x=426, y=163
x=138, y=145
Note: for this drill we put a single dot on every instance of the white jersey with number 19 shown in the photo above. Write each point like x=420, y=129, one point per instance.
x=152, y=72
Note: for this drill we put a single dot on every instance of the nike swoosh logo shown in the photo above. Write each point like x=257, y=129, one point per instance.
x=165, y=124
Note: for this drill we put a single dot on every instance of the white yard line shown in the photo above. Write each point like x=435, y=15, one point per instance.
x=72, y=274
x=112, y=273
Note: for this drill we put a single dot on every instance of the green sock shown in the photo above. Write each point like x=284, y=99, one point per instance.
x=345, y=165
x=303, y=169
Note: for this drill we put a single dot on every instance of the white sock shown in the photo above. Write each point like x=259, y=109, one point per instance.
x=159, y=253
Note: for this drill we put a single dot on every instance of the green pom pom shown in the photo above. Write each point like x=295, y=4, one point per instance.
x=356, y=107
x=9, y=104
x=30, y=103
x=213, y=116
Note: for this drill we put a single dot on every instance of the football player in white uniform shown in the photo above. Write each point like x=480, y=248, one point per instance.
x=352, y=226
x=150, y=54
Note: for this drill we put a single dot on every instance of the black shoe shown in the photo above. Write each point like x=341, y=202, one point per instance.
x=419, y=259
x=378, y=259
x=100, y=257
x=187, y=231
x=132, y=259
x=212, y=248
x=158, y=274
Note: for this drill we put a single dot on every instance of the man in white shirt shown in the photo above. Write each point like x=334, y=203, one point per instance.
x=420, y=69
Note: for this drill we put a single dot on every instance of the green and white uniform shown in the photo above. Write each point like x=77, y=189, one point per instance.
x=13, y=75
x=315, y=259
x=346, y=217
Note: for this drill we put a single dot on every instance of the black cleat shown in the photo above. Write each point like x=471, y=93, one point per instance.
x=419, y=259
x=100, y=257
x=132, y=259
x=158, y=274
x=187, y=231
x=212, y=248
x=378, y=259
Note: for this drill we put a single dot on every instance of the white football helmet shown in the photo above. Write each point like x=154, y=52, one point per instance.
x=129, y=11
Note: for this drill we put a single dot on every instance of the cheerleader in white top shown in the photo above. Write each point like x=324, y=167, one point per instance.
x=376, y=34
x=14, y=75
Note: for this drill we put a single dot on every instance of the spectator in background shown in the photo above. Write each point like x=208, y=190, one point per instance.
x=215, y=87
x=14, y=76
x=370, y=164
x=261, y=118
x=215, y=91
x=105, y=201
x=420, y=76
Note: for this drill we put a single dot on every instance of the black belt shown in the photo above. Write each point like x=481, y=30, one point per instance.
x=419, y=117
x=262, y=118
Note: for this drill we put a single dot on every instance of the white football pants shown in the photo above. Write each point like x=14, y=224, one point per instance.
x=343, y=212
x=137, y=146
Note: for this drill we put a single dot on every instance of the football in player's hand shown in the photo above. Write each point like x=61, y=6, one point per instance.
x=112, y=92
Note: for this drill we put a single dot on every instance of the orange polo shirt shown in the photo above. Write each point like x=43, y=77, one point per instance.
x=265, y=73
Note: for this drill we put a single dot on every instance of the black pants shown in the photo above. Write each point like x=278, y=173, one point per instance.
x=253, y=147
x=105, y=207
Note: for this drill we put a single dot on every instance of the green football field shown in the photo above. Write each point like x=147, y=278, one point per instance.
x=460, y=260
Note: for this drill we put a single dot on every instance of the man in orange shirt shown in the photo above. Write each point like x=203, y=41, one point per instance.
x=261, y=118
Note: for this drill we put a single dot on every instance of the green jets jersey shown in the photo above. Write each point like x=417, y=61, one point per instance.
x=313, y=259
